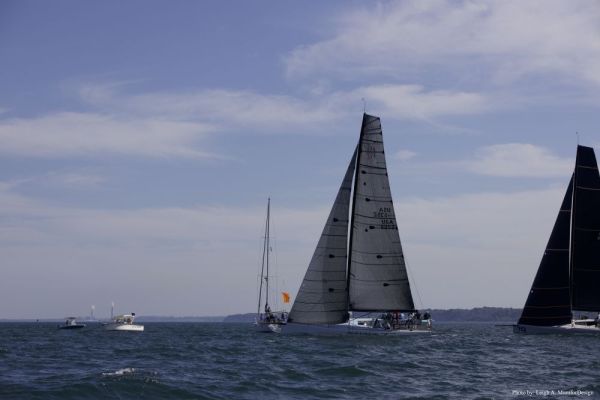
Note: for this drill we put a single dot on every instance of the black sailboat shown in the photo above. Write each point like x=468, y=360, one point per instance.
x=358, y=265
x=568, y=278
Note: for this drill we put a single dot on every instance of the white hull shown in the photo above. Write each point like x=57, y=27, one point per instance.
x=267, y=328
x=345, y=329
x=124, y=327
x=565, y=329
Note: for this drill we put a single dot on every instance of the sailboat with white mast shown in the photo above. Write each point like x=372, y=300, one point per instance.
x=568, y=278
x=358, y=266
x=267, y=320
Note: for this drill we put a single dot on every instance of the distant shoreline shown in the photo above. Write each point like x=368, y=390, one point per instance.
x=478, y=314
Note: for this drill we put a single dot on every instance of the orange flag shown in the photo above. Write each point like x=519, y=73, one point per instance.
x=286, y=297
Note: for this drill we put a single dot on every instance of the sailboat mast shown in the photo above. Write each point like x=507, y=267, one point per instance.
x=571, y=248
x=265, y=258
x=351, y=224
x=268, y=249
x=571, y=228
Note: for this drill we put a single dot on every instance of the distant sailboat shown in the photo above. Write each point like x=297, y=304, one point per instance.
x=267, y=320
x=358, y=265
x=568, y=278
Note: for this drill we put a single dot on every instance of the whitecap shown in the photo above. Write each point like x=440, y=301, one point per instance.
x=119, y=372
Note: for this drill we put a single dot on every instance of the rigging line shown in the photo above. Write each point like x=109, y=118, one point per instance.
x=262, y=270
x=258, y=273
x=276, y=267
x=280, y=285
x=415, y=282
x=268, y=246
x=259, y=282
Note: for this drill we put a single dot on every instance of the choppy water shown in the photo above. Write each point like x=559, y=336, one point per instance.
x=231, y=361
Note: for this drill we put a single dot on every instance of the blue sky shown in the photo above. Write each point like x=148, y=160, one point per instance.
x=140, y=140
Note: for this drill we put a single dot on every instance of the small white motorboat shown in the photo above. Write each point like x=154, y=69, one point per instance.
x=124, y=323
x=71, y=323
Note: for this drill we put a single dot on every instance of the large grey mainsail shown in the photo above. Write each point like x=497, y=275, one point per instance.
x=322, y=298
x=377, y=277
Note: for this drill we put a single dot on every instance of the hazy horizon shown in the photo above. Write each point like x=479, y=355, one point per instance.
x=85, y=317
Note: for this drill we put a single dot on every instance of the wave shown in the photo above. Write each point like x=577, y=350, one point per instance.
x=119, y=372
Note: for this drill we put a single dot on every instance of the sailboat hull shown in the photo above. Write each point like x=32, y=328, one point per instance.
x=346, y=329
x=124, y=327
x=267, y=328
x=560, y=329
x=310, y=329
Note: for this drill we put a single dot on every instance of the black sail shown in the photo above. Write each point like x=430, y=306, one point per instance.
x=585, y=245
x=549, y=301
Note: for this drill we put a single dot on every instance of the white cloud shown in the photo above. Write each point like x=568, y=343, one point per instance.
x=413, y=101
x=224, y=108
x=159, y=124
x=282, y=113
x=76, y=179
x=404, y=155
x=519, y=160
x=168, y=124
x=70, y=133
x=500, y=41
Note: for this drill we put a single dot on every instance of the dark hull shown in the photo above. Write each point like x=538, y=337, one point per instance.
x=78, y=326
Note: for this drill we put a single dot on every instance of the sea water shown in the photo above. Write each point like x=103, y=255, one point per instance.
x=232, y=361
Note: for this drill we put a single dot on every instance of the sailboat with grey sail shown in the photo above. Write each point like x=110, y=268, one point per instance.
x=357, y=280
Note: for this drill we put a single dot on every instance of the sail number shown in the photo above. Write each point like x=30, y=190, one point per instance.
x=386, y=217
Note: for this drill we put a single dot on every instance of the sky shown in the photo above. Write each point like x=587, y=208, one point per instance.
x=140, y=140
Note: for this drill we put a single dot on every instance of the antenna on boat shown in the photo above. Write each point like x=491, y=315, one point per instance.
x=364, y=105
x=577, y=134
x=112, y=309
